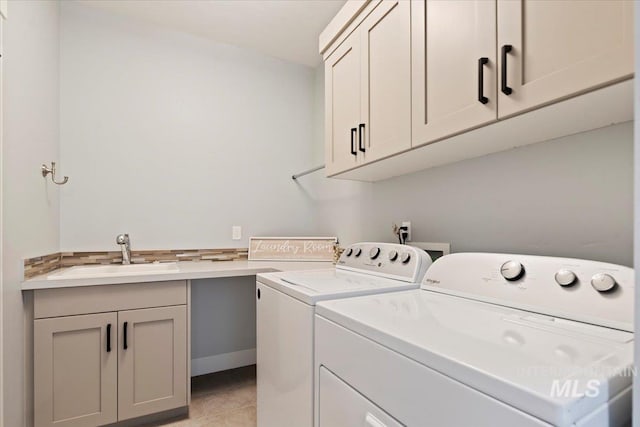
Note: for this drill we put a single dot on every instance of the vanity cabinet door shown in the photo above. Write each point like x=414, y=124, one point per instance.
x=342, y=106
x=454, y=68
x=152, y=366
x=557, y=49
x=75, y=371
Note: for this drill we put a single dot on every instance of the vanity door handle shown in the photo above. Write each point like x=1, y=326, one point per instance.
x=481, y=63
x=505, y=88
x=360, y=132
x=124, y=336
x=353, y=141
x=109, y=338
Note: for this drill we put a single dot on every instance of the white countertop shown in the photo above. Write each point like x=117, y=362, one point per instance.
x=187, y=270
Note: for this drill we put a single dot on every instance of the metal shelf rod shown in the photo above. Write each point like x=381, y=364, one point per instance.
x=307, y=172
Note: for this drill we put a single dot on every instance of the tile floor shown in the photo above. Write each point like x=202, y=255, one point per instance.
x=223, y=399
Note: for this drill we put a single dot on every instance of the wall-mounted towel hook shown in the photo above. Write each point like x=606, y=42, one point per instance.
x=52, y=170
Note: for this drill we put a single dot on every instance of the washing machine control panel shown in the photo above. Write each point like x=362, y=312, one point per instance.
x=588, y=291
x=392, y=260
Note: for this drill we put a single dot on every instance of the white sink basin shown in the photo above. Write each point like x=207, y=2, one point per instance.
x=114, y=270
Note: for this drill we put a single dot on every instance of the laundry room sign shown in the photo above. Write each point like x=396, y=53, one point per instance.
x=292, y=248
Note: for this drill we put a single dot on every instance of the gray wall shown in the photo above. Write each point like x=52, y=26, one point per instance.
x=223, y=316
x=30, y=203
x=568, y=197
x=174, y=138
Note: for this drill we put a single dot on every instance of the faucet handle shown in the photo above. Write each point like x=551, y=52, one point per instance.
x=122, y=239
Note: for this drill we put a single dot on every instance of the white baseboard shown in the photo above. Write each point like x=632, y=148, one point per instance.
x=222, y=362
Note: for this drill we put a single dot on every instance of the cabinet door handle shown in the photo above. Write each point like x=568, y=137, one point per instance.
x=109, y=338
x=481, y=63
x=360, y=132
x=353, y=141
x=505, y=88
x=124, y=336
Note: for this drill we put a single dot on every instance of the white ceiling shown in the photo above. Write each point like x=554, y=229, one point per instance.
x=286, y=29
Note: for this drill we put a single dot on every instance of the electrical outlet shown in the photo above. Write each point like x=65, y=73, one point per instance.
x=408, y=225
x=236, y=232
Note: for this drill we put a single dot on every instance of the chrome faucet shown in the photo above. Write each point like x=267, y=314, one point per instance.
x=123, y=241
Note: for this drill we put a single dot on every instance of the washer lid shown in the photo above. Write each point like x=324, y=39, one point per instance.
x=554, y=369
x=317, y=285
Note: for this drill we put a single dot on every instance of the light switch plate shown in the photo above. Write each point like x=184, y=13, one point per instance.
x=236, y=232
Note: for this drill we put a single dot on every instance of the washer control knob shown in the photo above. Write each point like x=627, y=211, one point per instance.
x=393, y=255
x=603, y=282
x=358, y=252
x=374, y=252
x=349, y=251
x=405, y=257
x=565, y=277
x=512, y=270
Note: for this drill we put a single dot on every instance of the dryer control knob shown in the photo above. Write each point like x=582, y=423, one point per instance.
x=512, y=270
x=348, y=252
x=565, y=277
x=393, y=255
x=374, y=252
x=358, y=252
x=603, y=282
x=405, y=257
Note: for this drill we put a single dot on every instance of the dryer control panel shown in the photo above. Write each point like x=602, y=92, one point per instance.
x=588, y=291
x=391, y=260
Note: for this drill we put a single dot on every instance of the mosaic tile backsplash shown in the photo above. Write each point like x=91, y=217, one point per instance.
x=47, y=263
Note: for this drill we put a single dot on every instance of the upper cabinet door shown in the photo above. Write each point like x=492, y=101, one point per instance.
x=75, y=371
x=152, y=368
x=342, y=105
x=454, y=67
x=385, y=128
x=561, y=48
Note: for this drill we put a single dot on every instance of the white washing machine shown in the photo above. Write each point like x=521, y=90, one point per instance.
x=488, y=340
x=285, y=321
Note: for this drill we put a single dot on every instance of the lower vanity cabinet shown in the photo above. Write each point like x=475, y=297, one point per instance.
x=152, y=360
x=101, y=368
x=76, y=370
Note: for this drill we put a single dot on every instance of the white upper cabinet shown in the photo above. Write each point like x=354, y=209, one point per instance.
x=444, y=80
x=342, y=105
x=385, y=126
x=453, y=53
x=368, y=89
x=556, y=49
